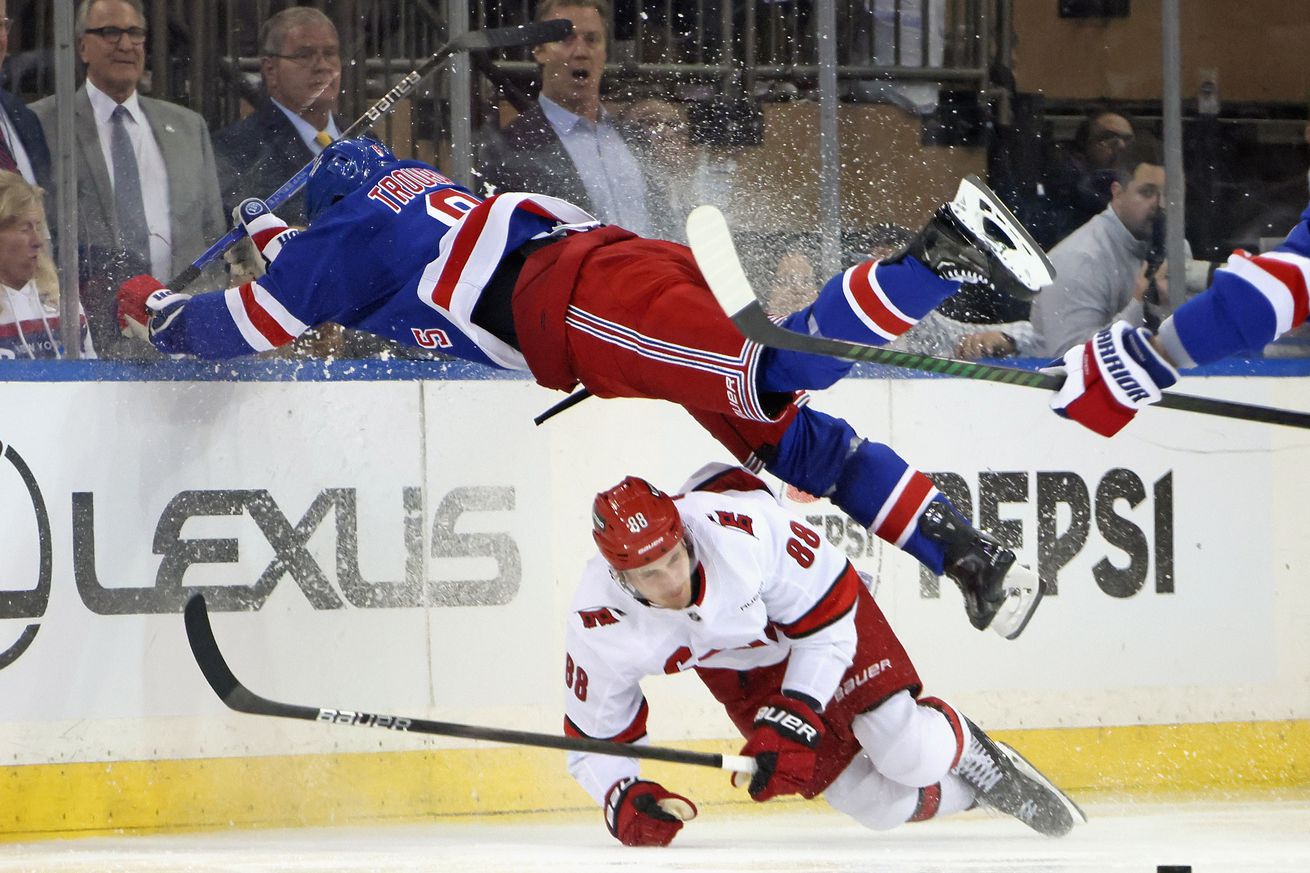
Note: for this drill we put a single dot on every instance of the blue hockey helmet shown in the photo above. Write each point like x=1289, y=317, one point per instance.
x=341, y=168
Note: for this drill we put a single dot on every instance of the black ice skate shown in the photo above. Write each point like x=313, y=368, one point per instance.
x=1008, y=783
x=998, y=593
x=973, y=237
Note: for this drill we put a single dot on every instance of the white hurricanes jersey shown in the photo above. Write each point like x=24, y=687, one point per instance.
x=769, y=587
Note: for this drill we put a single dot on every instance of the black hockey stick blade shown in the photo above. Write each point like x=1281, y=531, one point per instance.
x=490, y=38
x=716, y=255
x=200, y=635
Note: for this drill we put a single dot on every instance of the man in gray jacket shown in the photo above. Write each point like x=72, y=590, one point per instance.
x=1099, y=265
x=148, y=198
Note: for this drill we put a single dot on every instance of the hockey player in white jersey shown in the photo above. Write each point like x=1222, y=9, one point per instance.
x=783, y=631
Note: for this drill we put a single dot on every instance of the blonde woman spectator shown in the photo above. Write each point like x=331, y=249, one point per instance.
x=29, y=287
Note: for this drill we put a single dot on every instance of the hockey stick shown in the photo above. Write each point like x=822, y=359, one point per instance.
x=567, y=403
x=471, y=41
x=716, y=255
x=237, y=697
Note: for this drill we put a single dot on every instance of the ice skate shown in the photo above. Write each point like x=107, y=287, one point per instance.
x=998, y=592
x=1008, y=783
x=974, y=236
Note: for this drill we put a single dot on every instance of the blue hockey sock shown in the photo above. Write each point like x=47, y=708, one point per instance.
x=872, y=484
x=871, y=303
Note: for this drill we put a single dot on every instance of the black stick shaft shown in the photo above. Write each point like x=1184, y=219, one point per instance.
x=204, y=647
x=567, y=403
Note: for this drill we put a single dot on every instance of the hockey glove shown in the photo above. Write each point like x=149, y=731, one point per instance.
x=266, y=230
x=641, y=813
x=149, y=311
x=1110, y=377
x=784, y=743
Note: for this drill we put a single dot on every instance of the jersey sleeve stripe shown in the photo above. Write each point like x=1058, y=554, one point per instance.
x=466, y=236
x=635, y=730
x=872, y=305
x=895, y=521
x=835, y=603
x=1271, y=287
x=264, y=323
x=1293, y=271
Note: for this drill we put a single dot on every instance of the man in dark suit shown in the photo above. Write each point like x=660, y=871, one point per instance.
x=301, y=69
x=566, y=144
x=23, y=148
x=147, y=187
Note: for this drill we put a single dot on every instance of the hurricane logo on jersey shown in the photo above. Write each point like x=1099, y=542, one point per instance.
x=601, y=616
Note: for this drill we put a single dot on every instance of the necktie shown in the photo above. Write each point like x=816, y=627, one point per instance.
x=7, y=162
x=128, y=205
x=323, y=138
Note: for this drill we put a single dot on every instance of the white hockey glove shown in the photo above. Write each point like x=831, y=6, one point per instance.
x=1110, y=377
x=268, y=232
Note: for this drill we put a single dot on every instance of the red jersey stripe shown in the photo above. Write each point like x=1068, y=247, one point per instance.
x=1293, y=279
x=266, y=324
x=838, y=600
x=633, y=732
x=466, y=239
x=871, y=303
x=907, y=507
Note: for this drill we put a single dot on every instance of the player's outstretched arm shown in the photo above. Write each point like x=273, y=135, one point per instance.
x=1253, y=300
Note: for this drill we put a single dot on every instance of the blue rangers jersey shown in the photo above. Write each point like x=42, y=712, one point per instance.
x=406, y=256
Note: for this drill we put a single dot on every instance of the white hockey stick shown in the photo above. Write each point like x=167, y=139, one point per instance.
x=237, y=697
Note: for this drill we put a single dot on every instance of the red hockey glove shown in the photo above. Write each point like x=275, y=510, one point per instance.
x=149, y=311
x=784, y=744
x=133, y=317
x=1110, y=377
x=266, y=230
x=641, y=813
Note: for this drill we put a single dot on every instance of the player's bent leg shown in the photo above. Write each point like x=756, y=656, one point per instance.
x=881, y=804
x=1009, y=783
x=908, y=742
x=870, y=798
x=998, y=592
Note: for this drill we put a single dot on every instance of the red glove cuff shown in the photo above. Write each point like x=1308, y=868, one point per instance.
x=131, y=299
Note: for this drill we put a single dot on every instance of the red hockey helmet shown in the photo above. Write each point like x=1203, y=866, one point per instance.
x=635, y=523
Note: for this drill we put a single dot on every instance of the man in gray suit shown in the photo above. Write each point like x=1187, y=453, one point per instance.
x=148, y=197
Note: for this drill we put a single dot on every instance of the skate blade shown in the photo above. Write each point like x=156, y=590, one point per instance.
x=986, y=217
x=1024, y=766
x=1023, y=591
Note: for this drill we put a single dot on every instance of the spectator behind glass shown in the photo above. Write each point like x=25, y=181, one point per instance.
x=566, y=144
x=29, y=287
x=300, y=64
x=22, y=143
x=148, y=196
x=1099, y=265
x=680, y=172
x=1078, y=185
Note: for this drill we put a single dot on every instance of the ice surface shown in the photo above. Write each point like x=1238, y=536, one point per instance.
x=1212, y=837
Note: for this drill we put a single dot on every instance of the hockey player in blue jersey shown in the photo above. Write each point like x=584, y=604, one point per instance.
x=529, y=282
